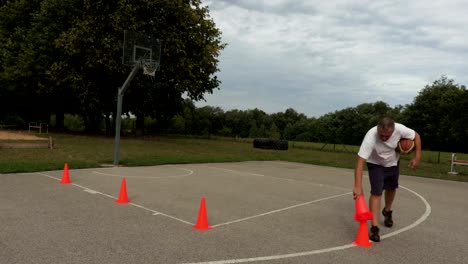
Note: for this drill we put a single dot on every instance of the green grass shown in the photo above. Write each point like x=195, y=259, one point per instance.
x=94, y=151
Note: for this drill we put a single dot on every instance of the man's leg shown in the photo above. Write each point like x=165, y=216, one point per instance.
x=389, y=197
x=387, y=211
x=374, y=203
x=390, y=185
x=376, y=177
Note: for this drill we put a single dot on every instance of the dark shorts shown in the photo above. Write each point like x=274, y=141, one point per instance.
x=383, y=178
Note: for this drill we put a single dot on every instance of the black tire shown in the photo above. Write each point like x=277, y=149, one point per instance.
x=280, y=144
x=268, y=143
x=263, y=143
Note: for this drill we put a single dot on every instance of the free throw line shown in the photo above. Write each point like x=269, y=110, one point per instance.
x=282, y=209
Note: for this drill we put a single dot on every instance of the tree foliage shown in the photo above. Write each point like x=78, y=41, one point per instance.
x=65, y=57
x=439, y=114
x=66, y=54
x=16, y=20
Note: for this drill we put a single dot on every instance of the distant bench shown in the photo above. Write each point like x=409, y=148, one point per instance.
x=454, y=161
x=40, y=126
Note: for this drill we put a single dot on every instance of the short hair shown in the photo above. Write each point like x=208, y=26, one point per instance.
x=386, y=123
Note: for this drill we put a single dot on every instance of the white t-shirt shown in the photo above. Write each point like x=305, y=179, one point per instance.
x=381, y=152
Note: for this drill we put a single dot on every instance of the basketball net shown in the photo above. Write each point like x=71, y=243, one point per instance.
x=149, y=67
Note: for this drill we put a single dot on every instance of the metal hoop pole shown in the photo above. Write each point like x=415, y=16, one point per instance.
x=118, y=115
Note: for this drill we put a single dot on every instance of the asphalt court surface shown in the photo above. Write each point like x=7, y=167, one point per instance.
x=265, y=212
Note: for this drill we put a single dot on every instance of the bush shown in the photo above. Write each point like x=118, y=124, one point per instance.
x=12, y=119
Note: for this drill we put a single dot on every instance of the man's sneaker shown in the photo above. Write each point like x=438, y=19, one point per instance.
x=388, y=218
x=374, y=234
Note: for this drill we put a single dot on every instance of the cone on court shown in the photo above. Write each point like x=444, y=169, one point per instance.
x=362, y=238
x=65, y=175
x=123, y=197
x=202, y=222
x=362, y=211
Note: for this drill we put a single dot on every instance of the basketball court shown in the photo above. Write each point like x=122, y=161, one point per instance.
x=265, y=212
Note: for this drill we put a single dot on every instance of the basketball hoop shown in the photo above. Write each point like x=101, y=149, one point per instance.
x=141, y=51
x=149, y=67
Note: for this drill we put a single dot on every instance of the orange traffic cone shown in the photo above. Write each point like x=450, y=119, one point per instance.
x=123, y=198
x=65, y=175
x=362, y=238
x=362, y=211
x=202, y=222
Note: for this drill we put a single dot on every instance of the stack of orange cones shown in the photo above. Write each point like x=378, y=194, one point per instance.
x=65, y=175
x=362, y=216
x=202, y=222
x=123, y=197
x=362, y=211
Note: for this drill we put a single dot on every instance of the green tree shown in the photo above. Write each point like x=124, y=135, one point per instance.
x=239, y=121
x=17, y=92
x=225, y=132
x=253, y=129
x=349, y=125
x=301, y=130
x=92, y=63
x=189, y=58
x=177, y=125
x=281, y=120
x=438, y=114
x=42, y=54
x=208, y=120
x=366, y=116
x=69, y=53
x=274, y=132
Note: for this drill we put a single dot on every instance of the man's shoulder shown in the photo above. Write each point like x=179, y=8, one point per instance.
x=404, y=131
x=369, y=138
x=372, y=130
x=400, y=126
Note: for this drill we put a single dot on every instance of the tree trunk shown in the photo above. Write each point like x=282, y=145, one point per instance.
x=108, y=125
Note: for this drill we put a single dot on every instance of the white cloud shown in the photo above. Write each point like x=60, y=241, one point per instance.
x=322, y=56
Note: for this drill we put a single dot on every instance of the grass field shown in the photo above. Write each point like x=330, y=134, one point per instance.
x=93, y=151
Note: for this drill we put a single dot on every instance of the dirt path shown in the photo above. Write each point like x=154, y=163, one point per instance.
x=19, y=135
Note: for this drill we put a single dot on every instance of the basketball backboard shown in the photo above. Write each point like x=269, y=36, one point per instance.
x=138, y=48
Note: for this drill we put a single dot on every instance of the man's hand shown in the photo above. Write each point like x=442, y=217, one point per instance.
x=414, y=163
x=356, y=192
x=357, y=187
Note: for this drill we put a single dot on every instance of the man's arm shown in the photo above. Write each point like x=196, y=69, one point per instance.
x=414, y=163
x=358, y=169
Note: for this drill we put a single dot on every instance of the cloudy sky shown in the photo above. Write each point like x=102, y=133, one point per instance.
x=321, y=56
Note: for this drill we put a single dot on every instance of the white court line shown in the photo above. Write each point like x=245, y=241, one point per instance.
x=234, y=171
x=276, y=257
x=279, y=178
x=282, y=209
x=335, y=169
x=325, y=250
x=284, y=256
x=190, y=172
x=419, y=221
x=115, y=198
